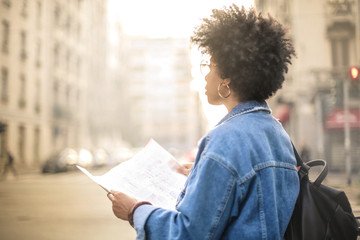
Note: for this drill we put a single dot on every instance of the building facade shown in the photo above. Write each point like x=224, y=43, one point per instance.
x=50, y=54
x=323, y=101
x=161, y=103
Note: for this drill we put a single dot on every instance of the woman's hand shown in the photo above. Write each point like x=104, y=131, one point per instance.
x=121, y=204
x=185, y=168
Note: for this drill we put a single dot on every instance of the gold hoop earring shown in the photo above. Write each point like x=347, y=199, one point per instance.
x=228, y=95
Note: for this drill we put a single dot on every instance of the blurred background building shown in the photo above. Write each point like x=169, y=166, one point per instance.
x=52, y=52
x=161, y=103
x=71, y=78
x=65, y=85
x=319, y=90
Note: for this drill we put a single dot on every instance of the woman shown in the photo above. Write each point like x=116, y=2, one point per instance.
x=244, y=182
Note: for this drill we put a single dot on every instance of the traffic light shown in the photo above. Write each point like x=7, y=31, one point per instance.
x=354, y=73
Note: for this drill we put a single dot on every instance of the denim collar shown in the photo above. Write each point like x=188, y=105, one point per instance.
x=245, y=107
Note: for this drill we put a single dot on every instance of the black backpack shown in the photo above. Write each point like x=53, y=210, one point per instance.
x=321, y=212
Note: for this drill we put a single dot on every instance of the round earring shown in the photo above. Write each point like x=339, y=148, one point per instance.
x=228, y=95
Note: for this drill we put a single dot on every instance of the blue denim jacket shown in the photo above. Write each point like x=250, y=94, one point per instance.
x=243, y=185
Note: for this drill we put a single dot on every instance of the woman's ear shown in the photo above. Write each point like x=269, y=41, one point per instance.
x=226, y=81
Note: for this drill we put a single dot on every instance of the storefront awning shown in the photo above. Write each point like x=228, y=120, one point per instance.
x=336, y=119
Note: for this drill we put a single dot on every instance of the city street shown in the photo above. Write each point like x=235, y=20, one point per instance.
x=71, y=206
x=57, y=207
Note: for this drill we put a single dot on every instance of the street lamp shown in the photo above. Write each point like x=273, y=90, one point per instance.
x=354, y=74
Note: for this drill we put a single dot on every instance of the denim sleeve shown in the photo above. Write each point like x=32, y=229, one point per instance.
x=203, y=213
x=140, y=216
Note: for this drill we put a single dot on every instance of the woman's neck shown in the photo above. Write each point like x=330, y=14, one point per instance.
x=231, y=102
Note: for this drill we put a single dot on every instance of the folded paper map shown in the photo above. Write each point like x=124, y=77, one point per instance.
x=150, y=175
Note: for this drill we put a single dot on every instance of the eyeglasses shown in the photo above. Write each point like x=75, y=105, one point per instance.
x=205, y=67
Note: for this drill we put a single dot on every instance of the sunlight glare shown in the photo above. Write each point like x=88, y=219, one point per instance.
x=163, y=19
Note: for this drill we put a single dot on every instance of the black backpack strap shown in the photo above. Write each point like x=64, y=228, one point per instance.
x=303, y=168
x=324, y=171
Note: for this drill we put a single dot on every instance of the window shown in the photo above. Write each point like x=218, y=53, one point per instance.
x=67, y=60
x=78, y=99
x=68, y=22
x=5, y=36
x=39, y=12
x=24, y=8
x=56, y=133
x=23, y=54
x=68, y=95
x=56, y=55
x=4, y=85
x=6, y=3
x=340, y=52
x=37, y=145
x=37, y=97
x=57, y=14
x=340, y=7
x=340, y=35
x=78, y=67
x=56, y=91
x=3, y=139
x=22, y=101
x=21, y=143
x=38, y=54
x=78, y=31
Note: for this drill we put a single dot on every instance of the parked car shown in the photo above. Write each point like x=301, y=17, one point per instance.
x=100, y=157
x=61, y=161
x=85, y=158
x=122, y=154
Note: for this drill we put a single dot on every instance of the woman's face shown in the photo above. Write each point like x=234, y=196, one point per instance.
x=213, y=80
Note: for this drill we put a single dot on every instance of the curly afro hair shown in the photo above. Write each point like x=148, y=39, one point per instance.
x=251, y=50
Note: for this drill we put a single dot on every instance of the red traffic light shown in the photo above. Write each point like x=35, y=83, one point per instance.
x=354, y=71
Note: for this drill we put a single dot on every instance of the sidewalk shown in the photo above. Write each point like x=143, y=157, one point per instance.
x=333, y=179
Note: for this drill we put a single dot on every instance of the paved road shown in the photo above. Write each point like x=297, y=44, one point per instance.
x=58, y=207
x=70, y=206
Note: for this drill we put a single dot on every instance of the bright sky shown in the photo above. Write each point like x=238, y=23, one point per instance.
x=171, y=18
x=164, y=18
